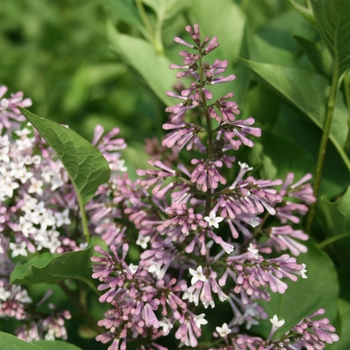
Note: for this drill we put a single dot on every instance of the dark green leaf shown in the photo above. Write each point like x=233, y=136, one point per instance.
x=307, y=91
x=335, y=222
x=319, y=290
x=85, y=165
x=278, y=158
x=49, y=268
x=336, y=216
x=333, y=22
x=280, y=29
x=343, y=331
x=143, y=57
x=292, y=125
x=262, y=51
x=317, y=55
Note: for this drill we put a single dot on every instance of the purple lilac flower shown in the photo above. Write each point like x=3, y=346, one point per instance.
x=181, y=214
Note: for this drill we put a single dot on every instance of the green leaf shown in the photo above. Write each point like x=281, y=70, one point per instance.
x=125, y=11
x=334, y=219
x=223, y=19
x=306, y=91
x=305, y=12
x=319, y=290
x=336, y=216
x=50, y=268
x=10, y=342
x=55, y=345
x=85, y=165
x=332, y=18
x=262, y=51
x=292, y=125
x=162, y=8
x=278, y=158
x=343, y=332
x=143, y=57
x=317, y=55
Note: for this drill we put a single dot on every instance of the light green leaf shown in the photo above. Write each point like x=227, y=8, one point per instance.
x=10, y=342
x=144, y=59
x=319, y=290
x=262, y=51
x=305, y=12
x=85, y=165
x=223, y=19
x=55, y=345
x=50, y=268
x=125, y=11
x=162, y=8
x=307, y=91
x=333, y=22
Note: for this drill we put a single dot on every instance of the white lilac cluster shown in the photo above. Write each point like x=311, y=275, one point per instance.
x=37, y=206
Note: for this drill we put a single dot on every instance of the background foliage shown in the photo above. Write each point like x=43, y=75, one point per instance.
x=89, y=62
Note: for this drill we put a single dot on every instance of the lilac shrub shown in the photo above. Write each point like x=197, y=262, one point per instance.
x=205, y=240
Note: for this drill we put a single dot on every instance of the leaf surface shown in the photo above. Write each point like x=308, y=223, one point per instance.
x=143, y=58
x=84, y=163
x=50, y=268
x=10, y=342
x=333, y=22
x=307, y=91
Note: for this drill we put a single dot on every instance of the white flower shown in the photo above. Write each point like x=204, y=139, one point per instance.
x=133, y=268
x=197, y=275
x=213, y=220
x=166, y=324
x=25, y=227
x=245, y=166
x=62, y=218
x=303, y=271
x=275, y=323
x=253, y=250
x=36, y=186
x=142, y=241
x=4, y=294
x=224, y=330
x=199, y=320
x=154, y=268
x=18, y=249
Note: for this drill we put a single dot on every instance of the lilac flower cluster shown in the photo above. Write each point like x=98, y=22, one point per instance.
x=203, y=239
x=37, y=207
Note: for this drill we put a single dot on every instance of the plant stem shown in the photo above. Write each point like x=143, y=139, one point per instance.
x=81, y=308
x=322, y=150
x=208, y=127
x=155, y=38
x=346, y=82
x=83, y=218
